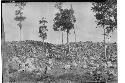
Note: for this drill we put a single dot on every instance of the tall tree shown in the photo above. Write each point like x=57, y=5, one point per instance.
x=72, y=19
x=58, y=5
x=19, y=14
x=43, y=35
x=106, y=15
x=43, y=29
x=64, y=21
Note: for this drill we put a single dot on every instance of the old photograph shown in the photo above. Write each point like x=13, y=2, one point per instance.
x=59, y=42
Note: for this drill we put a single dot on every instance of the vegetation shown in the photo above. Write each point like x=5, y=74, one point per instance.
x=106, y=15
x=43, y=29
x=19, y=14
x=64, y=20
x=36, y=61
x=58, y=5
x=87, y=65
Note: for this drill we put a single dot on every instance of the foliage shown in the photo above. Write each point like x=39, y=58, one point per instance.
x=18, y=13
x=64, y=20
x=58, y=5
x=43, y=29
x=106, y=14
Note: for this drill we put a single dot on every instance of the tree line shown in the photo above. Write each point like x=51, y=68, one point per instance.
x=64, y=20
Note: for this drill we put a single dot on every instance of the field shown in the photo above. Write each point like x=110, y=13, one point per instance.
x=33, y=61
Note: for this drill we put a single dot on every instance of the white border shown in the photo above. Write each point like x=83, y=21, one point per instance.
x=121, y=40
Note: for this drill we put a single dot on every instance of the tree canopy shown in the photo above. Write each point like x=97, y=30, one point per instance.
x=106, y=15
x=64, y=20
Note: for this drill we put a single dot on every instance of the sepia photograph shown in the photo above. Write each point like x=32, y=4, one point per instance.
x=59, y=42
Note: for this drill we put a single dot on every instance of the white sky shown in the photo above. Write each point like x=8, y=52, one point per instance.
x=85, y=22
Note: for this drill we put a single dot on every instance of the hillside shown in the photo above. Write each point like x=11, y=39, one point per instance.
x=84, y=58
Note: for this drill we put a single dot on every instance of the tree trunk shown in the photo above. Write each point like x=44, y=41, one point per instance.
x=67, y=36
x=62, y=37
x=105, y=50
x=68, y=41
x=43, y=45
x=45, y=53
x=20, y=34
x=20, y=26
x=105, y=44
x=75, y=34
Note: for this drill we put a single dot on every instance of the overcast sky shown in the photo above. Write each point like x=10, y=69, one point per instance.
x=85, y=22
